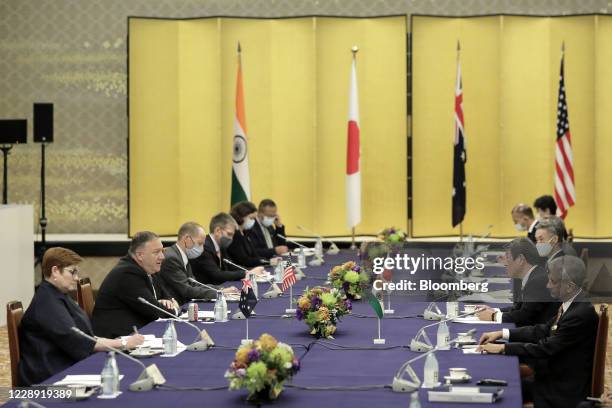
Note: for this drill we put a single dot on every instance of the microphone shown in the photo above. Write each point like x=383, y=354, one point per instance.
x=421, y=343
x=203, y=284
x=333, y=248
x=201, y=343
x=227, y=261
x=292, y=241
x=150, y=375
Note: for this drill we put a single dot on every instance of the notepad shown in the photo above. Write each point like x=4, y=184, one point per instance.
x=202, y=314
x=91, y=380
x=472, y=320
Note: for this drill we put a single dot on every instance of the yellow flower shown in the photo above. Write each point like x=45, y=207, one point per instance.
x=323, y=313
x=242, y=355
x=267, y=342
x=304, y=303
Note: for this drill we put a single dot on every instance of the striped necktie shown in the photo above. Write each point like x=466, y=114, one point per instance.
x=559, y=314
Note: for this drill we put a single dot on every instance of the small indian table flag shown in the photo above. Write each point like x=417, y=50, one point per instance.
x=375, y=302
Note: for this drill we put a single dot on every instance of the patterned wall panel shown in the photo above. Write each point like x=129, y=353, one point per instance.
x=73, y=53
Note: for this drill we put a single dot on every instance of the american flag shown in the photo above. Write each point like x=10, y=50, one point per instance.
x=459, y=153
x=565, y=193
x=246, y=285
x=288, y=277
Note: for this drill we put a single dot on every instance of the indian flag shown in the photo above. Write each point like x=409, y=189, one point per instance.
x=241, y=182
x=353, y=174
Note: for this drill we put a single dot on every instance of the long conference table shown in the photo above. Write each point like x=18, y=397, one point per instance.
x=322, y=365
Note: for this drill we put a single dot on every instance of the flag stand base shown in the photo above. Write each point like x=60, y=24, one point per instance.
x=389, y=311
x=290, y=311
x=378, y=341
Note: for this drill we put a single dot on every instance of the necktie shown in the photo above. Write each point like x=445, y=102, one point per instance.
x=559, y=314
x=152, y=286
x=268, y=238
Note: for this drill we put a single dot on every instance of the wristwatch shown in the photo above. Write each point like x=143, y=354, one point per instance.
x=493, y=316
x=123, y=344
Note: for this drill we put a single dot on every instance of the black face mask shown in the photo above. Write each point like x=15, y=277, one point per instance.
x=225, y=242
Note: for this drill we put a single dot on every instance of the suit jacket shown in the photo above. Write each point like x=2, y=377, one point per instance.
x=210, y=269
x=533, y=304
x=242, y=252
x=117, y=307
x=256, y=235
x=175, y=276
x=47, y=343
x=562, y=359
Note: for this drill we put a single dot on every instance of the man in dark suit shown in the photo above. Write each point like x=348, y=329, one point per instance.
x=561, y=350
x=175, y=269
x=533, y=303
x=209, y=267
x=265, y=233
x=117, y=308
x=522, y=216
x=550, y=241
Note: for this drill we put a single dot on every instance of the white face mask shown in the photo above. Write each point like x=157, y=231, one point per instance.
x=248, y=224
x=544, y=248
x=519, y=227
x=268, y=221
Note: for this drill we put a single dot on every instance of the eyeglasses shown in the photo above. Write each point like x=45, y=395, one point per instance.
x=73, y=271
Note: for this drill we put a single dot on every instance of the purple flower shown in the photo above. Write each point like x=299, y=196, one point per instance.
x=346, y=286
x=349, y=304
x=316, y=303
x=253, y=355
x=299, y=314
x=356, y=268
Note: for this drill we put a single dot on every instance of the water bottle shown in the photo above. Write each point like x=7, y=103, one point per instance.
x=115, y=373
x=254, y=285
x=107, y=376
x=278, y=272
x=218, y=309
x=430, y=375
x=301, y=258
x=169, y=339
x=452, y=309
x=414, y=400
x=443, y=342
x=319, y=248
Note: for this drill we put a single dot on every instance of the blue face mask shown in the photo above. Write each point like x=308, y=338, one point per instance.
x=195, y=251
x=248, y=224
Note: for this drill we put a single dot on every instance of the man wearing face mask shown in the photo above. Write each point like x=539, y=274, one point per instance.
x=176, y=270
x=549, y=239
x=264, y=234
x=523, y=219
x=533, y=304
x=117, y=308
x=209, y=267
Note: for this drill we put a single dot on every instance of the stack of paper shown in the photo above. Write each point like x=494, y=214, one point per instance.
x=91, y=380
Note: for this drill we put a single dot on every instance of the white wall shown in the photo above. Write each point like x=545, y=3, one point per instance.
x=16, y=256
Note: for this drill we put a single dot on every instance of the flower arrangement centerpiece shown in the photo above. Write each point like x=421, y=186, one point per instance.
x=392, y=236
x=262, y=367
x=321, y=309
x=350, y=278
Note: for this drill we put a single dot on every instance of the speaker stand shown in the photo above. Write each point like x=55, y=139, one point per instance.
x=43, y=219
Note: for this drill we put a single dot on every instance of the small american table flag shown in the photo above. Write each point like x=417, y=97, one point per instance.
x=565, y=192
x=288, y=277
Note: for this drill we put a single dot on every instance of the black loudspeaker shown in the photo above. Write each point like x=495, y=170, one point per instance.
x=43, y=122
x=13, y=131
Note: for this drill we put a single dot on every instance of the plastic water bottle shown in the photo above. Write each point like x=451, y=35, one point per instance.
x=319, y=248
x=443, y=342
x=169, y=339
x=414, y=400
x=452, y=309
x=115, y=373
x=254, y=285
x=107, y=376
x=301, y=258
x=278, y=272
x=218, y=309
x=431, y=372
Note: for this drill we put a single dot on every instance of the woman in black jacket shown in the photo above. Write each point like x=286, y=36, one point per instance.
x=242, y=251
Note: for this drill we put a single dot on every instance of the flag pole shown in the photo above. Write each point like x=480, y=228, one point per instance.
x=461, y=231
x=353, y=246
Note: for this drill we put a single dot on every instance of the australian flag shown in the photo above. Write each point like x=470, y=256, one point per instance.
x=459, y=154
x=248, y=300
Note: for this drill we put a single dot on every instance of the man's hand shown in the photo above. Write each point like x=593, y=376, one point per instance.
x=281, y=249
x=134, y=340
x=490, y=337
x=257, y=271
x=486, y=315
x=492, y=348
x=175, y=304
x=274, y=261
x=278, y=222
x=167, y=303
x=229, y=290
x=502, y=259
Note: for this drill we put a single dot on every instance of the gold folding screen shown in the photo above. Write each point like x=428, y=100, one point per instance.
x=510, y=70
x=182, y=77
